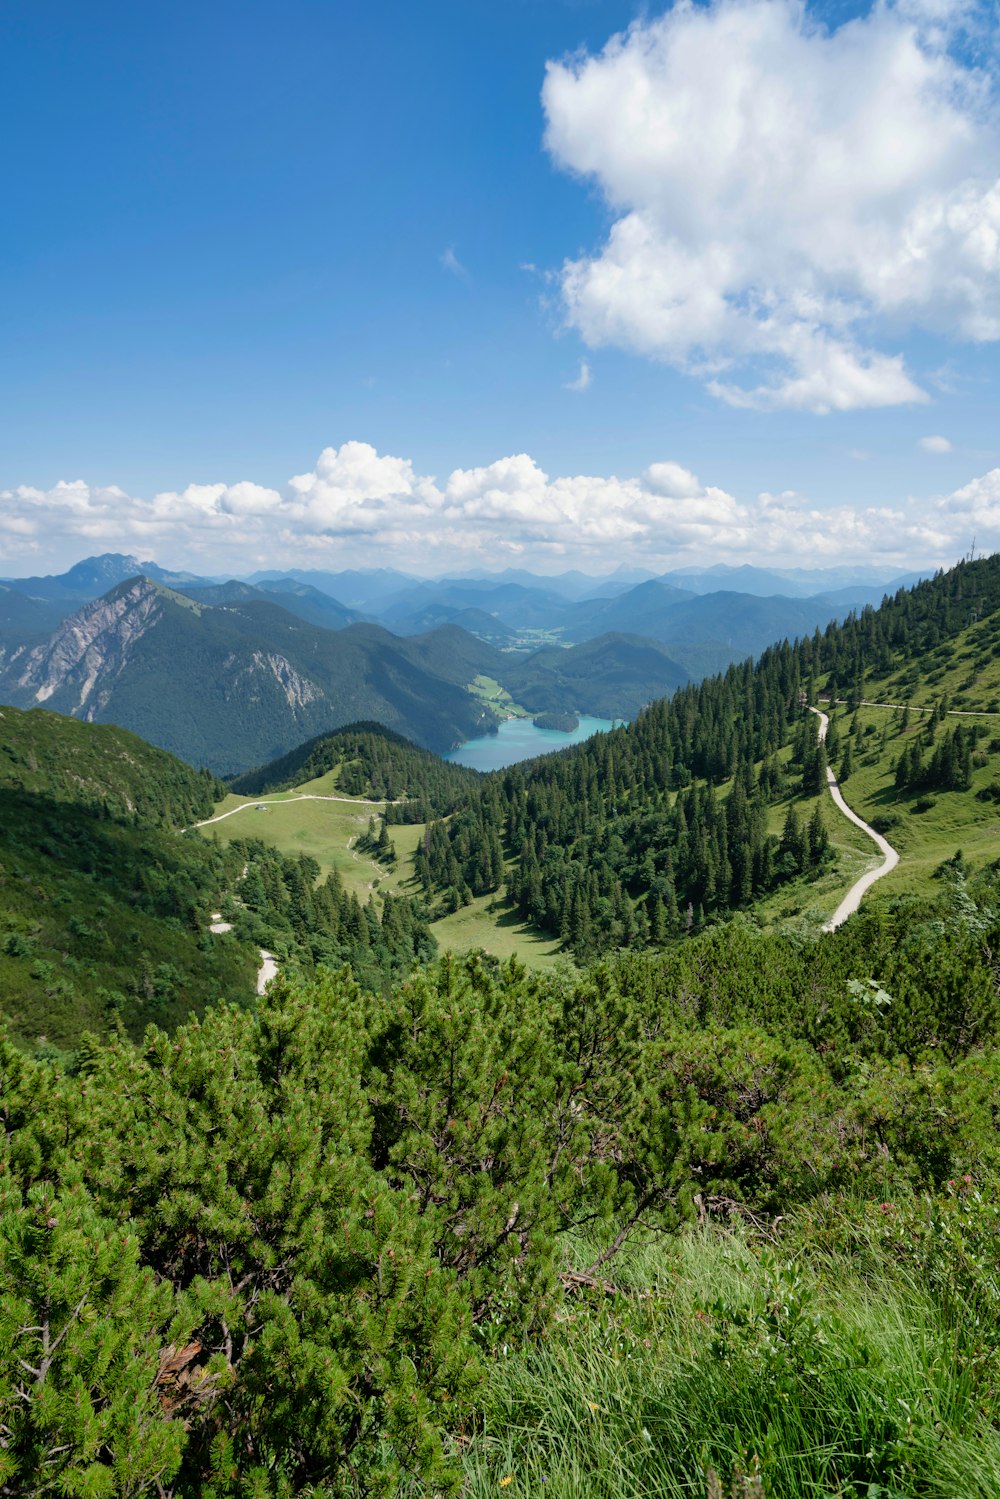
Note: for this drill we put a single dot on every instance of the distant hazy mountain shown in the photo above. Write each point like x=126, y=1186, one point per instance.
x=639, y=611
x=706, y=632
x=298, y=598
x=758, y=581
x=709, y=632
x=356, y=588
x=22, y=618
x=94, y=576
x=612, y=677
x=794, y=582
x=514, y=604
x=570, y=585
x=476, y=621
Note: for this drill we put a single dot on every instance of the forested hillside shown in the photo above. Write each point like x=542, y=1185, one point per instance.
x=641, y=834
x=101, y=768
x=279, y=903
x=103, y=905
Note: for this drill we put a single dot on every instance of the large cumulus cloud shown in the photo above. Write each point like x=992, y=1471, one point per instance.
x=786, y=199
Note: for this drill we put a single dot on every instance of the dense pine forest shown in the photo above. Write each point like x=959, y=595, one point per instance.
x=643, y=833
x=711, y=1212
x=280, y=903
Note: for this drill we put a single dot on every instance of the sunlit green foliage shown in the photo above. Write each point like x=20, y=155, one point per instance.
x=339, y=1219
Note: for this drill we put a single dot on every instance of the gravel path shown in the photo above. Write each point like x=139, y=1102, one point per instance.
x=268, y=970
x=890, y=858
x=952, y=712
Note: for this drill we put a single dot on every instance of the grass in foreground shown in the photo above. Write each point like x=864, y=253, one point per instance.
x=743, y=1373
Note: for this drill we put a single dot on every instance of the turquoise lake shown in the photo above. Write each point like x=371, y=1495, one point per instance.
x=518, y=739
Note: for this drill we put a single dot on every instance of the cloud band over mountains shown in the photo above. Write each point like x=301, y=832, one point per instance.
x=358, y=507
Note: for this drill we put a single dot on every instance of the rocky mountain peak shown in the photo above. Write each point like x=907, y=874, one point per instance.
x=72, y=670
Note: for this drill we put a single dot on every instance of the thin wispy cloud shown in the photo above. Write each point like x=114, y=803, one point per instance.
x=935, y=444
x=583, y=379
x=451, y=263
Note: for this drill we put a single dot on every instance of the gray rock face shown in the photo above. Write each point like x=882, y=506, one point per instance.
x=74, y=669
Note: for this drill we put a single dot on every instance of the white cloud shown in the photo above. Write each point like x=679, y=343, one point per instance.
x=935, y=444
x=782, y=195
x=359, y=507
x=975, y=508
x=451, y=263
x=583, y=379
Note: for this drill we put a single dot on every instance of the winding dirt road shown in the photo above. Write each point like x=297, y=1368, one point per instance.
x=268, y=965
x=890, y=858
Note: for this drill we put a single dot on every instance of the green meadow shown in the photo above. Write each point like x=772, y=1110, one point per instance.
x=328, y=831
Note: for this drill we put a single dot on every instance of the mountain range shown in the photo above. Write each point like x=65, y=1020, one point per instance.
x=227, y=677
x=231, y=673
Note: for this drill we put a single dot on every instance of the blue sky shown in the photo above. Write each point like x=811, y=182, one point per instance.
x=240, y=236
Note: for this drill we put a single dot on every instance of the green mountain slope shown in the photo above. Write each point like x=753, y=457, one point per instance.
x=370, y=761
x=103, y=906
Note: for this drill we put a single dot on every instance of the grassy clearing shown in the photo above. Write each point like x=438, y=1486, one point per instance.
x=326, y=831
x=744, y=1373
x=489, y=692
x=967, y=668
x=489, y=924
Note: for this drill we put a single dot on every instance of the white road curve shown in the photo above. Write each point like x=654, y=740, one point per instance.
x=268, y=965
x=268, y=970
x=283, y=801
x=890, y=858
